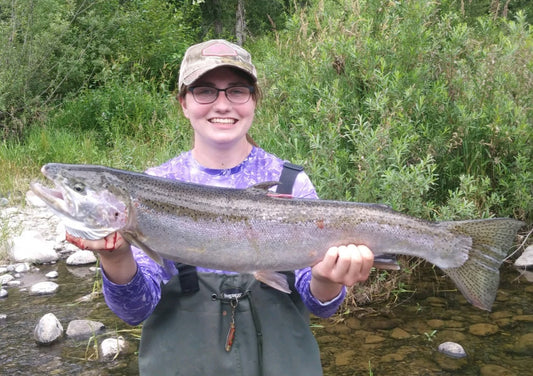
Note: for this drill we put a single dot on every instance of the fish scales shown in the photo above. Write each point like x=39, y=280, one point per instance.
x=253, y=230
x=256, y=230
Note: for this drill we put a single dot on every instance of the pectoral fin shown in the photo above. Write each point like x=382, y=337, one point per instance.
x=130, y=238
x=275, y=280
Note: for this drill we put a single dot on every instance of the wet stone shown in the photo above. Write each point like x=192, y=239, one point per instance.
x=30, y=246
x=523, y=345
x=450, y=364
x=81, y=258
x=483, y=329
x=526, y=259
x=382, y=324
x=353, y=323
x=523, y=318
x=5, y=279
x=398, y=333
x=80, y=329
x=345, y=358
x=501, y=315
x=394, y=357
x=495, y=370
x=371, y=339
x=52, y=275
x=3, y=293
x=44, y=288
x=452, y=349
x=48, y=330
x=111, y=347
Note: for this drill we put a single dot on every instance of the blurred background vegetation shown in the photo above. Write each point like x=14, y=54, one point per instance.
x=422, y=105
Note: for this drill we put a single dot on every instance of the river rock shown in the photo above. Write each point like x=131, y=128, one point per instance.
x=452, y=349
x=526, y=259
x=374, y=338
x=483, y=329
x=48, y=330
x=495, y=370
x=81, y=258
x=399, y=333
x=5, y=279
x=31, y=247
x=523, y=345
x=111, y=347
x=52, y=275
x=3, y=293
x=44, y=288
x=80, y=329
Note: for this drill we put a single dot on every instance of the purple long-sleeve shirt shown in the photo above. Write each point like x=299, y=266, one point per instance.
x=135, y=301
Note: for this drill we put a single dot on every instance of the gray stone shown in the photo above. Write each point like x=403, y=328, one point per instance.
x=81, y=258
x=48, y=330
x=112, y=347
x=3, y=293
x=5, y=279
x=31, y=247
x=452, y=349
x=52, y=275
x=526, y=259
x=84, y=328
x=44, y=288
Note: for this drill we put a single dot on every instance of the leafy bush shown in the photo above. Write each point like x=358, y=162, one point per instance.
x=402, y=103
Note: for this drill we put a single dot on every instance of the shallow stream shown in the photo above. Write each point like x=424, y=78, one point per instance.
x=401, y=341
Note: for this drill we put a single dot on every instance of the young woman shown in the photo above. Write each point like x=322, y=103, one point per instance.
x=204, y=322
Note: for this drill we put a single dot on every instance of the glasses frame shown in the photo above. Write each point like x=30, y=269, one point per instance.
x=250, y=88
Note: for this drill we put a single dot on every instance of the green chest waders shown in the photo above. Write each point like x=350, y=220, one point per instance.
x=191, y=334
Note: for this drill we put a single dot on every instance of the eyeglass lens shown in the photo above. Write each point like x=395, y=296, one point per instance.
x=208, y=94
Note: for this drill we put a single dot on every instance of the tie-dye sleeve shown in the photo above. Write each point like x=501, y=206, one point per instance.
x=135, y=301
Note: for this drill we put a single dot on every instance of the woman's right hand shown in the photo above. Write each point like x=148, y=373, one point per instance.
x=116, y=257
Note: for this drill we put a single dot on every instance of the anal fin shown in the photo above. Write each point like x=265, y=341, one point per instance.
x=275, y=280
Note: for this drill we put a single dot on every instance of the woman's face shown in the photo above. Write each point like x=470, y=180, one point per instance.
x=221, y=123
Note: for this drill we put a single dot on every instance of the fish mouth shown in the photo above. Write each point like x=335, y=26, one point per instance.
x=53, y=197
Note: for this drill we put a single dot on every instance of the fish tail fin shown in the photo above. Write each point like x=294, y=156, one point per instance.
x=479, y=277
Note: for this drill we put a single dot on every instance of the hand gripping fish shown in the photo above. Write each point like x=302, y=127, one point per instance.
x=251, y=230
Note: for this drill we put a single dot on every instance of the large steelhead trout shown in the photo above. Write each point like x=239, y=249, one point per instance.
x=252, y=230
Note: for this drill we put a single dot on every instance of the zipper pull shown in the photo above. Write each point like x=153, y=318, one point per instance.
x=231, y=332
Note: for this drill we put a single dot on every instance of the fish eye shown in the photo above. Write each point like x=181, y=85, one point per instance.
x=79, y=187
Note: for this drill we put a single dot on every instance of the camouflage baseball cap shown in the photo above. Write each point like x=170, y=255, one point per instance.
x=203, y=57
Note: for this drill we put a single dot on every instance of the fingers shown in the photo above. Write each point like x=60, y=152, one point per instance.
x=109, y=243
x=346, y=265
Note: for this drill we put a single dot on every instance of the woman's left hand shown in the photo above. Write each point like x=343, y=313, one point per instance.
x=341, y=266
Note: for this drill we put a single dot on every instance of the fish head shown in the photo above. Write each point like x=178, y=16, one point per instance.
x=91, y=202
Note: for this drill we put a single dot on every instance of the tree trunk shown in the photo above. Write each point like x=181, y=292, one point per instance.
x=240, y=23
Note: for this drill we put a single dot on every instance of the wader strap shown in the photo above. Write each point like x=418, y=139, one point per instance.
x=287, y=178
x=188, y=278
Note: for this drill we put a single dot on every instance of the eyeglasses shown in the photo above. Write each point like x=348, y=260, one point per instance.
x=209, y=94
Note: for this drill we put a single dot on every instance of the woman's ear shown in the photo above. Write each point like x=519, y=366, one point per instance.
x=183, y=104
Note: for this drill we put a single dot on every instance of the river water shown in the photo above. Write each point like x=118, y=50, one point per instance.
x=370, y=341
